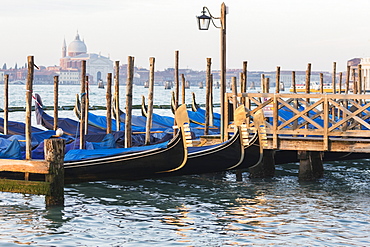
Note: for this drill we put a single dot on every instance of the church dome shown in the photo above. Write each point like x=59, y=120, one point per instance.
x=76, y=47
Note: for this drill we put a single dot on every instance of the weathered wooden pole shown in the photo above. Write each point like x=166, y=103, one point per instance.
x=234, y=92
x=129, y=85
x=244, y=84
x=347, y=79
x=56, y=94
x=211, y=101
x=208, y=95
x=310, y=165
x=29, y=86
x=333, y=82
x=294, y=89
x=308, y=78
x=54, y=154
x=177, y=89
x=277, y=80
x=263, y=83
x=267, y=85
x=87, y=103
x=83, y=104
x=224, y=120
x=354, y=81
x=6, y=103
x=150, y=100
x=116, y=95
x=183, y=88
x=359, y=76
x=109, y=103
x=340, y=82
x=321, y=83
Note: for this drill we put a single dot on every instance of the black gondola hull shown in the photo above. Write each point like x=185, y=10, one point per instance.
x=128, y=166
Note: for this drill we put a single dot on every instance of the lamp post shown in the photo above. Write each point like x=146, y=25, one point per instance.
x=203, y=24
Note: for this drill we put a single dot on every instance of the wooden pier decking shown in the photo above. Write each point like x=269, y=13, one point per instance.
x=313, y=122
x=309, y=124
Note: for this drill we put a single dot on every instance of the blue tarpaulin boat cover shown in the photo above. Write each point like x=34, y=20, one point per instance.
x=80, y=154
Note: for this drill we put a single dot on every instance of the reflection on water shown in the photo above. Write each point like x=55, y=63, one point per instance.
x=200, y=211
x=212, y=210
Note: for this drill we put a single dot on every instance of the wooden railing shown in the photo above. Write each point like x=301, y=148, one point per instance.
x=325, y=117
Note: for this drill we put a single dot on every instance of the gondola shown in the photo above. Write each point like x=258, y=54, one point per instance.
x=128, y=164
x=228, y=155
x=16, y=128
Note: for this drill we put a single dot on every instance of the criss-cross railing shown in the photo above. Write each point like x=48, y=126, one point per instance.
x=325, y=117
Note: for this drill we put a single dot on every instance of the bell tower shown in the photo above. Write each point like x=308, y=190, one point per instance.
x=64, y=48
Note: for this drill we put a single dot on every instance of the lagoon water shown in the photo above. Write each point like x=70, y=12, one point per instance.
x=212, y=210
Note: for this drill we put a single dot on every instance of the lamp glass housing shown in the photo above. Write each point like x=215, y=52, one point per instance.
x=203, y=22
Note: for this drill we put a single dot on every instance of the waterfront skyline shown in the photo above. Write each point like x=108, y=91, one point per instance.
x=267, y=33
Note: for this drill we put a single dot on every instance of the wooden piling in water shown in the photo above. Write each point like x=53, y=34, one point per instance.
x=294, y=89
x=54, y=154
x=183, y=88
x=354, y=81
x=277, y=80
x=243, y=82
x=333, y=82
x=347, y=79
x=83, y=105
x=109, y=103
x=116, y=95
x=310, y=165
x=235, y=93
x=56, y=95
x=308, y=78
x=208, y=96
x=129, y=85
x=6, y=103
x=87, y=103
x=359, y=70
x=150, y=101
x=29, y=86
x=321, y=83
x=177, y=89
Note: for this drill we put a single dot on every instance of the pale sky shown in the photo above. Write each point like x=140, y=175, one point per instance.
x=266, y=33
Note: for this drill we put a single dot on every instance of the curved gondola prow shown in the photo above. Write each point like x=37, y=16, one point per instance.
x=194, y=105
x=77, y=108
x=182, y=123
x=260, y=125
x=173, y=104
x=115, y=110
x=144, y=108
x=240, y=120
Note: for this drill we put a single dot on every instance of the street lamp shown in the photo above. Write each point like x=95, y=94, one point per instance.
x=203, y=24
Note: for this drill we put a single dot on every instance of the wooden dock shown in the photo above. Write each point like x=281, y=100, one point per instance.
x=310, y=123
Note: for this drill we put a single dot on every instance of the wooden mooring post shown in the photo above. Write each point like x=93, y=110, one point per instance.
x=129, y=86
x=310, y=165
x=150, y=101
x=6, y=103
x=52, y=168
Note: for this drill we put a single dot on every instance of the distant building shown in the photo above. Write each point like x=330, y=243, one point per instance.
x=97, y=66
